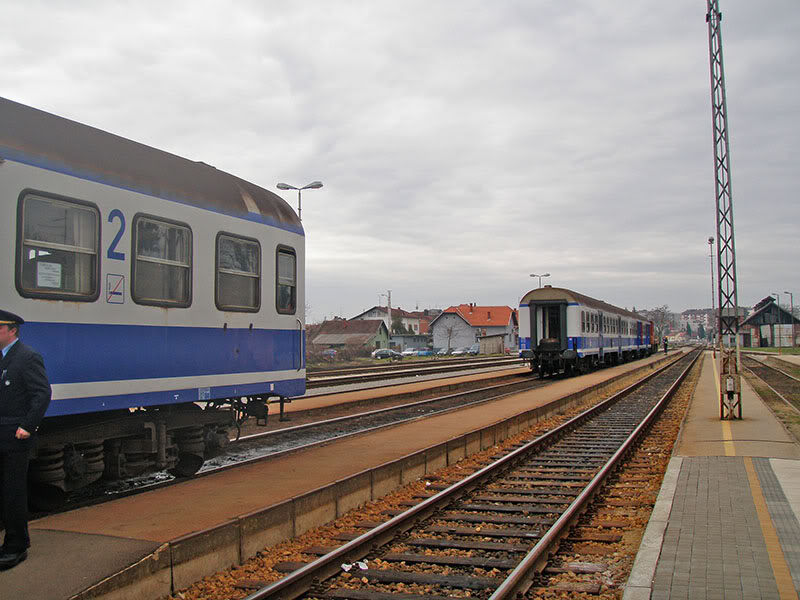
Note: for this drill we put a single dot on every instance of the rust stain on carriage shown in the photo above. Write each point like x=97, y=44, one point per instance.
x=53, y=142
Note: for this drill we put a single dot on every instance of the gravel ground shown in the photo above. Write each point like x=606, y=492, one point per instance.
x=223, y=585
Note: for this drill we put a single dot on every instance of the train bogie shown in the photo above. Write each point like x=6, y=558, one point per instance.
x=164, y=295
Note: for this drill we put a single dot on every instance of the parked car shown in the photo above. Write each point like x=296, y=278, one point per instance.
x=424, y=352
x=410, y=352
x=387, y=353
x=474, y=349
x=459, y=351
x=329, y=353
x=442, y=352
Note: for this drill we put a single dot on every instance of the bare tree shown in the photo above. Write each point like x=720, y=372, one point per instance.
x=451, y=329
x=662, y=320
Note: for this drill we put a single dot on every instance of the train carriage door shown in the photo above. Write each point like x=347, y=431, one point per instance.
x=601, y=319
x=549, y=322
x=555, y=324
x=639, y=333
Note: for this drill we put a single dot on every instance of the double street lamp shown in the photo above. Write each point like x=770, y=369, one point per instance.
x=314, y=185
x=540, y=277
x=778, y=336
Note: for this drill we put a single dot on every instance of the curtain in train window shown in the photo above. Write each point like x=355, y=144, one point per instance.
x=59, y=248
x=238, y=274
x=162, y=273
x=286, y=290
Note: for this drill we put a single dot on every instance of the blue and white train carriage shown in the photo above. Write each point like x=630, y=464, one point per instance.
x=166, y=296
x=562, y=330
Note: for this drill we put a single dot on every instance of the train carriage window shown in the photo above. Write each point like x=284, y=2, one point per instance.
x=57, y=248
x=238, y=273
x=286, y=281
x=162, y=269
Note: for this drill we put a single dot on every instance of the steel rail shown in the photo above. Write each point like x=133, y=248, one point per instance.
x=300, y=581
x=772, y=389
x=404, y=371
x=520, y=578
x=399, y=365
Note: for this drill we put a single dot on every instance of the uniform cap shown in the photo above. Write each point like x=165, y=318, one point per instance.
x=8, y=318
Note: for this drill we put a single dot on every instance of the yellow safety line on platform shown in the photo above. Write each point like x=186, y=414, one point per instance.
x=727, y=434
x=783, y=576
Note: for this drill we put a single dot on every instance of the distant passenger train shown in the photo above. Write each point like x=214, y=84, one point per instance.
x=165, y=296
x=561, y=330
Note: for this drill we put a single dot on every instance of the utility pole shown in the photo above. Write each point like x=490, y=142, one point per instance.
x=388, y=295
x=713, y=323
x=730, y=402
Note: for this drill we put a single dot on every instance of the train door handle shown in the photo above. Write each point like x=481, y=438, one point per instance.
x=302, y=350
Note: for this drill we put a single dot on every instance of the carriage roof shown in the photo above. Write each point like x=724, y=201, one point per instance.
x=555, y=294
x=38, y=138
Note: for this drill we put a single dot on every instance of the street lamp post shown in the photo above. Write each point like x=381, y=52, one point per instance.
x=778, y=345
x=791, y=310
x=540, y=277
x=713, y=317
x=314, y=185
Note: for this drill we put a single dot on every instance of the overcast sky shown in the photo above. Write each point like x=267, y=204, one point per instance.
x=462, y=144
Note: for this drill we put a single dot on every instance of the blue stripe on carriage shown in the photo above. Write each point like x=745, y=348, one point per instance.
x=288, y=388
x=79, y=352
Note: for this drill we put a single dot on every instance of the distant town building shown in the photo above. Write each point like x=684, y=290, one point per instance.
x=340, y=333
x=416, y=322
x=463, y=325
x=770, y=325
x=692, y=318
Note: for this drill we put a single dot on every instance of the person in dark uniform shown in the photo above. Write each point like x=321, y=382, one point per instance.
x=24, y=398
x=665, y=345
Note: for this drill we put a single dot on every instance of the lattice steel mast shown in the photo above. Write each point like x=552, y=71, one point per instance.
x=730, y=402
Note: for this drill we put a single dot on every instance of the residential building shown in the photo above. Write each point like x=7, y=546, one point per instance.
x=340, y=333
x=412, y=322
x=694, y=317
x=465, y=324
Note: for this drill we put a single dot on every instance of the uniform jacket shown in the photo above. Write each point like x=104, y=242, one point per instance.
x=24, y=388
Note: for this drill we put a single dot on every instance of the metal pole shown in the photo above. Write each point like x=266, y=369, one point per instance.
x=791, y=313
x=713, y=324
x=299, y=207
x=730, y=373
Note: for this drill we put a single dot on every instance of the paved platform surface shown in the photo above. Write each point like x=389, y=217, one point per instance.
x=73, y=550
x=725, y=524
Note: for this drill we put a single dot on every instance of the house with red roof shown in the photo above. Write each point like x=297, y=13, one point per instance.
x=463, y=325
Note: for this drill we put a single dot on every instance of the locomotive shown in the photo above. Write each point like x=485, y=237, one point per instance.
x=562, y=330
x=165, y=296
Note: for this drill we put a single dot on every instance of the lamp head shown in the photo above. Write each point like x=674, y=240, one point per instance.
x=285, y=186
x=314, y=185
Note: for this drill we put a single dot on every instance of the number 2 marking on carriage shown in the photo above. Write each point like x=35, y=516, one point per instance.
x=112, y=248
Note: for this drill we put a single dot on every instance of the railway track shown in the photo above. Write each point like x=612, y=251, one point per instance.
x=489, y=534
x=338, y=377
x=785, y=386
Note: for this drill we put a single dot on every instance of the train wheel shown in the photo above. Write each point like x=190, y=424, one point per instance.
x=188, y=465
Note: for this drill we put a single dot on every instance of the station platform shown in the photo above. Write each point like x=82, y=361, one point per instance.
x=148, y=545
x=725, y=524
